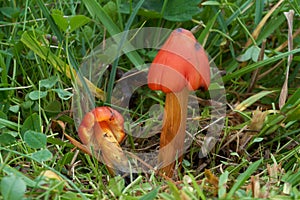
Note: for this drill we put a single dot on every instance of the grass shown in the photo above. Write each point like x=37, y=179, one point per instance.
x=43, y=45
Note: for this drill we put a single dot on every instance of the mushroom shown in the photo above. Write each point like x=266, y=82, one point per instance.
x=101, y=131
x=180, y=66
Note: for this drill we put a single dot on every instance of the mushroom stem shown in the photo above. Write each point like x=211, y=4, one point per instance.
x=173, y=132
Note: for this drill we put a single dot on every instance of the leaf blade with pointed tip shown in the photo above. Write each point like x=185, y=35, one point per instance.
x=242, y=178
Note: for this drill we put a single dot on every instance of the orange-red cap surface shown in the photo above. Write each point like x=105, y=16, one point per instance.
x=181, y=62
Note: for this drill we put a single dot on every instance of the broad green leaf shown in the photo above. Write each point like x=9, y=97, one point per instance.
x=63, y=94
x=35, y=139
x=49, y=82
x=77, y=21
x=87, y=32
x=251, y=53
x=10, y=12
x=242, y=178
x=27, y=104
x=11, y=170
x=14, y=108
x=54, y=107
x=37, y=94
x=60, y=20
x=215, y=86
x=42, y=155
x=151, y=195
x=181, y=10
x=32, y=122
x=13, y=187
x=69, y=23
x=6, y=138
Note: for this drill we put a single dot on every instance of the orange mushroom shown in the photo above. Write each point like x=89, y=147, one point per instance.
x=180, y=65
x=101, y=130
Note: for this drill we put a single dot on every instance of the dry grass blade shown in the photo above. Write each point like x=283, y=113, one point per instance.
x=283, y=45
x=284, y=91
x=261, y=24
x=249, y=101
x=255, y=186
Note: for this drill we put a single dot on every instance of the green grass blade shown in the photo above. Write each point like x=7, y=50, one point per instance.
x=292, y=101
x=222, y=185
x=46, y=167
x=10, y=124
x=204, y=34
x=44, y=52
x=97, y=11
x=151, y=195
x=242, y=178
x=174, y=190
x=257, y=65
x=197, y=188
x=120, y=45
x=71, y=58
x=270, y=28
x=4, y=71
x=238, y=12
x=259, y=7
x=50, y=20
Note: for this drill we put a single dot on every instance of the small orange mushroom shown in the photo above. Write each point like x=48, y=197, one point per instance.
x=101, y=130
x=180, y=65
